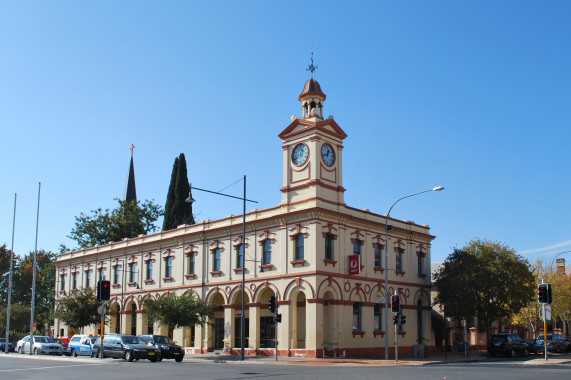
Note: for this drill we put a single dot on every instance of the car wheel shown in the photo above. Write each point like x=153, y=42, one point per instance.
x=74, y=353
x=128, y=356
x=511, y=353
x=178, y=360
x=160, y=359
x=153, y=359
x=525, y=353
x=20, y=350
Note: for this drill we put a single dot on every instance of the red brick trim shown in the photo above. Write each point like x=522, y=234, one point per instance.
x=421, y=275
x=149, y=282
x=168, y=279
x=377, y=333
x=402, y=333
x=267, y=266
x=133, y=283
x=238, y=270
x=116, y=286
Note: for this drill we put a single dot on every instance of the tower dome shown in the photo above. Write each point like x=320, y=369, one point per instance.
x=312, y=99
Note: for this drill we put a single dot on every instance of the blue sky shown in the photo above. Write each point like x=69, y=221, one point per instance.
x=474, y=96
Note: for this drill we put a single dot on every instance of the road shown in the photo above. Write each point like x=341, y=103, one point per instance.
x=15, y=366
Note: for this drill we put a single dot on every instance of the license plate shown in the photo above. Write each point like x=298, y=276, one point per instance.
x=151, y=353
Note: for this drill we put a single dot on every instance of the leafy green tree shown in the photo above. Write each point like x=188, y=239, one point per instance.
x=4, y=272
x=128, y=220
x=178, y=311
x=19, y=318
x=484, y=279
x=177, y=211
x=79, y=309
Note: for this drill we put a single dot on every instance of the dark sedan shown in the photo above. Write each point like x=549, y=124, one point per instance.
x=11, y=346
x=169, y=350
x=128, y=347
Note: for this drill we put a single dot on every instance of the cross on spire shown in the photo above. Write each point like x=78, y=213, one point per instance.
x=311, y=68
x=131, y=148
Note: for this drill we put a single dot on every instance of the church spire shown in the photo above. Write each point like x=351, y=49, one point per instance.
x=130, y=190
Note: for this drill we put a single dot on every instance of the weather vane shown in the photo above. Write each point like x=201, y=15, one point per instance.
x=311, y=68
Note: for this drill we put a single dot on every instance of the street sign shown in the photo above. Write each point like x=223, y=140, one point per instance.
x=547, y=312
x=354, y=265
x=101, y=310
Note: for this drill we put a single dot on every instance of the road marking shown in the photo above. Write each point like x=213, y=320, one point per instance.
x=57, y=366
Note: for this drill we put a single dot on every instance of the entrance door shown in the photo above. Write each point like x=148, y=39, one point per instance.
x=219, y=333
x=237, y=335
x=267, y=332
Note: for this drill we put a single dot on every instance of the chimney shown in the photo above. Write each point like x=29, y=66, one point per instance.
x=560, y=266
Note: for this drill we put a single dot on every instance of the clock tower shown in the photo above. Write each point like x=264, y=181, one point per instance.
x=312, y=159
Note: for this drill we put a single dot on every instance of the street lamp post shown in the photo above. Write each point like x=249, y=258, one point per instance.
x=387, y=229
x=552, y=261
x=244, y=200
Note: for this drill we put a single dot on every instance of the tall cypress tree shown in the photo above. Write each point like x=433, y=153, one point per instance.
x=177, y=211
x=167, y=222
x=182, y=211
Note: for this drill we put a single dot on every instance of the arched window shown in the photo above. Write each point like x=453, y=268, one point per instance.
x=168, y=267
x=328, y=246
x=357, y=247
x=357, y=316
x=267, y=252
x=299, y=247
x=240, y=256
x=378, y=256
x=101, y=274
x=216, y=263
x=62, y=283
x=191, y=263
x=378, y=317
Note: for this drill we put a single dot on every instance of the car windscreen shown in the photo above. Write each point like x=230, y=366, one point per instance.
x=163, y=340
x=133, y=340
x=41, y=339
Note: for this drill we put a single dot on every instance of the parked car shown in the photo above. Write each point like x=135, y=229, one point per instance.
x=74, y=343
x=84, y=346
x=128, y=347
x=42, y=345
x=508, y=344
x=64, y=345
x=534, y=347
x=169, y=350
x=555, y=342
x=11, y=346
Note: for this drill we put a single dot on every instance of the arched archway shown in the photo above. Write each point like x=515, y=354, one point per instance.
x=298, y=313
x=130, y=318
x=237, y=332
x=329, y=324
x=216, y=329
x=267, y=325
x=114, y=322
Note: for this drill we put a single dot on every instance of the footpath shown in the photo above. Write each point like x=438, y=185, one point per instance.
x=431, y=359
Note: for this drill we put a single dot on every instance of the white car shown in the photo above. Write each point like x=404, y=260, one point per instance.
x=42, y=345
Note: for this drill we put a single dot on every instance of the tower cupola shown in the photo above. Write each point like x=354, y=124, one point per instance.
x=312, y=99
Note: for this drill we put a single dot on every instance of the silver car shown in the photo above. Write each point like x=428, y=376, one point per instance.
x=42, y=345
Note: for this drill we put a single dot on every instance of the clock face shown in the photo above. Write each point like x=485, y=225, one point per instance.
x=300, y=153
x=327, y=154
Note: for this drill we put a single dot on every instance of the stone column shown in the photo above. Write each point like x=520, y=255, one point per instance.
x=313, y=324
x=284, y=327
x=229, y=322
x=140, y=315
x=254, y=319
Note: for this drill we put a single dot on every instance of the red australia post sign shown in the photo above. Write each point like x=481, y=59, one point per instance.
x=354, y=264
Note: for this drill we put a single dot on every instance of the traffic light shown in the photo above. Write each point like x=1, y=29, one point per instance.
x=103, y=290
x=395, y=319
x=402, y=319
x=395, y=303
x=542, y=293
x=549, y=298
x=278, y=318
x=272, y=304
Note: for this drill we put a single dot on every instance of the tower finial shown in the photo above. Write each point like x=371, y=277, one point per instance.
x=132, y=148
x=311, y=68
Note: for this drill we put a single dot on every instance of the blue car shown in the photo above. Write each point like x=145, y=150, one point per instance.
x=82, y=345
x=11, y=347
